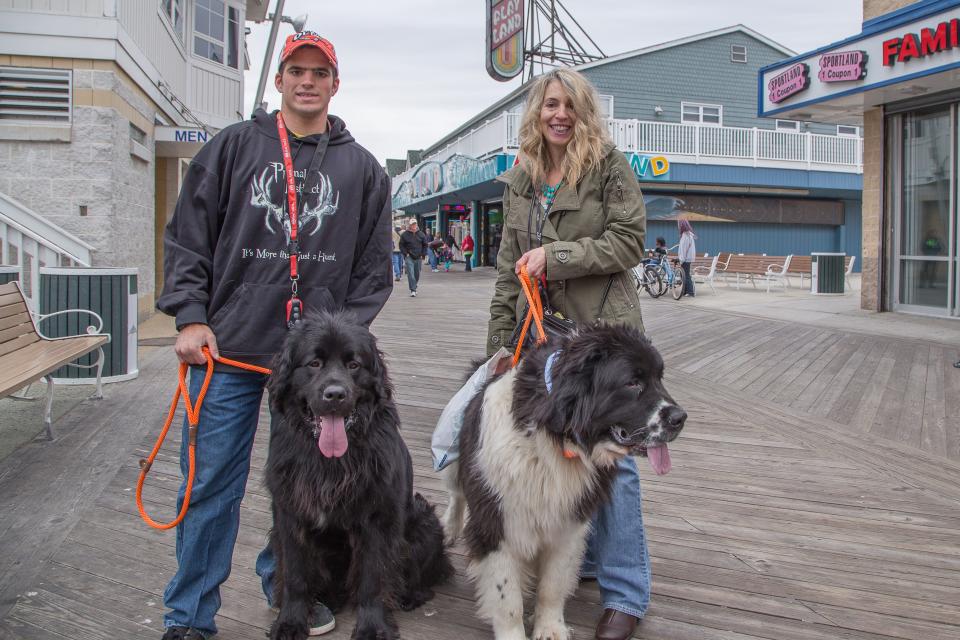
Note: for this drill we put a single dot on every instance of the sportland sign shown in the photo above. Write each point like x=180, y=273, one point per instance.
x=504, y=52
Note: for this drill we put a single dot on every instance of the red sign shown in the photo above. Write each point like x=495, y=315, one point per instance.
x=792, y=81
x=930, y=41
x=843, y=66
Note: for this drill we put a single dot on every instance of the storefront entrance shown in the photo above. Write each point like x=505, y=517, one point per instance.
x=922, y=197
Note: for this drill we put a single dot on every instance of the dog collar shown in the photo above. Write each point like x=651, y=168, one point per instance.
x=548, y=370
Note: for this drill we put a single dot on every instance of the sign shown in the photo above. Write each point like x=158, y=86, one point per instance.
x=433, y=178
x=504, y=52
x=649, y=167
x=181, y=134
x=930, y=41
x=842, y=66
x=790, y=82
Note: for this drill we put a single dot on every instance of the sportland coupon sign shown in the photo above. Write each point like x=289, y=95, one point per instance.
x=504, y=39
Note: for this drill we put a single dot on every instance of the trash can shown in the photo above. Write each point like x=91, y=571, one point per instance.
x=8, y=273
x=110, y=293
x=827, y=273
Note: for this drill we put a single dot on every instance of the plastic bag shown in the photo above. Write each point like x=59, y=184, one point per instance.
x=445, y=443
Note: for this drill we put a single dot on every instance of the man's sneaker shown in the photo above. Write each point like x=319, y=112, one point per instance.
x=321, y=620
x=413, y=294
x=182, y=633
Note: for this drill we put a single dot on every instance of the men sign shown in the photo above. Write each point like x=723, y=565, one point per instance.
x=504, y=39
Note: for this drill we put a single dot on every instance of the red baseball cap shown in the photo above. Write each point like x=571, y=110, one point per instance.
x=309, y=39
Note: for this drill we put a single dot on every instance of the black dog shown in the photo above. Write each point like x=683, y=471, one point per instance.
x=346, y=524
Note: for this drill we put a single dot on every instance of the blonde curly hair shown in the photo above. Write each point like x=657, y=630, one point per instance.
x=585, y=149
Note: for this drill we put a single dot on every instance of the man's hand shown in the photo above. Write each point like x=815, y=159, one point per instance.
x=190, y=342
x=535, y=261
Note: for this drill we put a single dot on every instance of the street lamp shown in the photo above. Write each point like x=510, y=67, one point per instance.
x=277, y=17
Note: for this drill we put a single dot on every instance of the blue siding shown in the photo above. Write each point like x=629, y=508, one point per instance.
x=761, y=176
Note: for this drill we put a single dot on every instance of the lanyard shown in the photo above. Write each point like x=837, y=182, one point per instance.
x=294, y=304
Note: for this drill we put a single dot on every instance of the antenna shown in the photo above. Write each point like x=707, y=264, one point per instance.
x=554, y=38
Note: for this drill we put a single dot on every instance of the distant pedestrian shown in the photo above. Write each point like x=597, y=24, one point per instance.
x=433, y=243
x=688, y=251
x=413, y=246
x=467, y=247
x=445, y=255
x=397, y=256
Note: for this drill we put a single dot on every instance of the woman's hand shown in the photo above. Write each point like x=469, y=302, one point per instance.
x=535, y=260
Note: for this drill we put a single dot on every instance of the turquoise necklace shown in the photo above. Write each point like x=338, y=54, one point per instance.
x=549, y=192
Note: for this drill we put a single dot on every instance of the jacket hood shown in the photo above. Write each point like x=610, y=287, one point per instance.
x=267, y=124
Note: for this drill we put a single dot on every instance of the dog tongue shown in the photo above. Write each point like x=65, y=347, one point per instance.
x=659, y=457
x=333, y=436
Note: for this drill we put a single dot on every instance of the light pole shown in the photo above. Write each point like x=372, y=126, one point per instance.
x=277, y=17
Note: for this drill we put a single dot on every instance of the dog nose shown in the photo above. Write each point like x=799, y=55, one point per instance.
x=675, y=417
x=336, y=393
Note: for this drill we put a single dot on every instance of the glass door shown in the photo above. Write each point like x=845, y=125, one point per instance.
x=926, y=254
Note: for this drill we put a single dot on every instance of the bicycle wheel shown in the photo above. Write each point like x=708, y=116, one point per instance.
x=662, y=281
x=652, y=282
x=677, y=284
x=638, y=278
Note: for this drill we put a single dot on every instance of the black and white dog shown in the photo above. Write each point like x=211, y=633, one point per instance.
x=538, y=451
x=346, y=523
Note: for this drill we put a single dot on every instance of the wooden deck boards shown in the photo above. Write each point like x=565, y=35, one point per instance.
x=814, y=492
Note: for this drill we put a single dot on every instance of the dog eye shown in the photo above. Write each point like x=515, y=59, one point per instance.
x=353, y=365
x=315, y=364
x=636, y=385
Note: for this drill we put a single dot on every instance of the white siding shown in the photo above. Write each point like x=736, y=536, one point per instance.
x=213, y=93
x=142, y=21
x=92, y=8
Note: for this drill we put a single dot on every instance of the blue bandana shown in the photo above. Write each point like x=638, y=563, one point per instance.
x=548, y=369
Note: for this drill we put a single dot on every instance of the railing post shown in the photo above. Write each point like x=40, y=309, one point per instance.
x=696, y=143
x=809, y=149
x=755, y=135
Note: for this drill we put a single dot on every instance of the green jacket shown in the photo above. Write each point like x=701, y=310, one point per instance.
x=594, y=229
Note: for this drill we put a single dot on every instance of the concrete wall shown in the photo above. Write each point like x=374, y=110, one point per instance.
x=96, y=169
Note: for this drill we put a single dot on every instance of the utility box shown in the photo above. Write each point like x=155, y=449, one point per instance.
x=111, y=294
x=827, y=273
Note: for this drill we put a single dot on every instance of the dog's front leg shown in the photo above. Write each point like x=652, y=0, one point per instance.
x=557, y=569
x=500, y=582
x=375, y=566
x=292, y=623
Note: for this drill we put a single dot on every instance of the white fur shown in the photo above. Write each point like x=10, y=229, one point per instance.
x=538, y=491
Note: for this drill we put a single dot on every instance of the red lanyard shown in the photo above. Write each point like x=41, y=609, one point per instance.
x=294, y=305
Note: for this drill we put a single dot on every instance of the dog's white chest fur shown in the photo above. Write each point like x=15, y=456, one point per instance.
x=539, y=490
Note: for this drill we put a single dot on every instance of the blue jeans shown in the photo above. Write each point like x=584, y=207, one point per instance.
x=617, y=553
x=206, y=537
x=413, y=272
x=432, y=258
x=397, y=265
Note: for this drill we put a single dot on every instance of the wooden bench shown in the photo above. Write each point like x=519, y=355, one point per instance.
x=26, y=355
x=803, y=266
x=772, y=269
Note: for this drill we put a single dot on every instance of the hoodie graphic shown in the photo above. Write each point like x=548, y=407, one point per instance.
x=323, y=205
x=226, y=261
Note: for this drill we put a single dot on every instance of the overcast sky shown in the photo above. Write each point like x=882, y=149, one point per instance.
x=413, y=70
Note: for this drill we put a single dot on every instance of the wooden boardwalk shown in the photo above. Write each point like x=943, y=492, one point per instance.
x=814, y=494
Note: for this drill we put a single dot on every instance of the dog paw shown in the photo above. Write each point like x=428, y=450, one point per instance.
x=289, y=631
x=375, y=633
x=556, y=630
x=410, y=601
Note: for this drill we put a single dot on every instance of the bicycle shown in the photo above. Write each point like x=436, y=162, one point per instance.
x=676, y=282
x=651, y=278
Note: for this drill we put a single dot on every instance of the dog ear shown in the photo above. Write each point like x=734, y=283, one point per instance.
x=278, y=384
x=378, y=370
x=572, y=402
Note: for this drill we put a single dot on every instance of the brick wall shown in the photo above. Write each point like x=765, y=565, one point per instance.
x=870, y=297
x=876, y=8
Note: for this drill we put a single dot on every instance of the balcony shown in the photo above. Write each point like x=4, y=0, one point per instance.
x=679, y=143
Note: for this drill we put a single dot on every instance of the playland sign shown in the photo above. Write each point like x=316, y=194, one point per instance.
x=504, y=38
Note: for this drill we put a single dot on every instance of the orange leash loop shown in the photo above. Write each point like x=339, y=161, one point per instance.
x=193, y=418
x=532, y=292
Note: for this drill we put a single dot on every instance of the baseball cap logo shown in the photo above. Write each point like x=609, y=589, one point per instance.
x=307, y=35
x=309, y=39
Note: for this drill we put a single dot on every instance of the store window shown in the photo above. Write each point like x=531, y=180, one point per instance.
x=173, y=11
x=788, y=125
x=216, y=32
x=696, y=113
x=847, y=130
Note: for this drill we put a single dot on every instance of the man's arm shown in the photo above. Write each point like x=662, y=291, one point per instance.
x=371, y=280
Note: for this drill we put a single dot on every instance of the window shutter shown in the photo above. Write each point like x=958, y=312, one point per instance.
x=35, y=95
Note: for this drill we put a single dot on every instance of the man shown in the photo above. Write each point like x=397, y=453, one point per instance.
x=397, y=257
x=413, y=246
x=230, y=282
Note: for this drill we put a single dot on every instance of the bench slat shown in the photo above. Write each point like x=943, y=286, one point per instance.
x=24, y=328
x=8, y=299
x=17, y=343
x=10, y=321
x=33, y=361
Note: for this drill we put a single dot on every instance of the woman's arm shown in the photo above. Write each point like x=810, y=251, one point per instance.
x=620, y=247
x=503, y=306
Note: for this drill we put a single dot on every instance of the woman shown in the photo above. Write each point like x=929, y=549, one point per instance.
x=574, y=213
x=467, y=247
x=687, y=251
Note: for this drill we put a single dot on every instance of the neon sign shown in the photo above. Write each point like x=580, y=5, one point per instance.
x=504, y=39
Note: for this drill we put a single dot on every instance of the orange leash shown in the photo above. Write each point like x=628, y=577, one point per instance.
x=532, y=292
x=193, y=418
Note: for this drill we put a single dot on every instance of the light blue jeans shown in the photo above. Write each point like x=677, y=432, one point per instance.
x=617, y=553
x=206, y=537
x=397, y=265
x=413, y=271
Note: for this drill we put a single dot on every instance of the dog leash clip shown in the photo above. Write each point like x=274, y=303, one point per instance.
x=294, y=312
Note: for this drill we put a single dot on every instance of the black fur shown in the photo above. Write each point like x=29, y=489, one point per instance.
x=346, y=529
x=605, y=377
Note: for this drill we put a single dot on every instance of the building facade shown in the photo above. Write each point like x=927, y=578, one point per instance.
x=685, y=114
x=102, y=103
x=900, y=78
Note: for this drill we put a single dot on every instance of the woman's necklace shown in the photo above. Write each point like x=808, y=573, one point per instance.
x=549, y=192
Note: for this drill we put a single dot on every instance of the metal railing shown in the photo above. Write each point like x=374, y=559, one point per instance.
x=28, y=241
x=680, y=142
